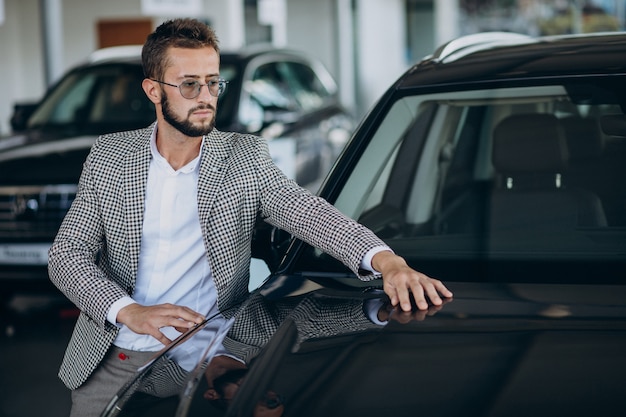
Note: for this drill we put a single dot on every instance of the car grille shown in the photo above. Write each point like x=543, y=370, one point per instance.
x=33, y=212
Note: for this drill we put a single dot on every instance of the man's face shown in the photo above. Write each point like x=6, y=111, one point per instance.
x=192, y=117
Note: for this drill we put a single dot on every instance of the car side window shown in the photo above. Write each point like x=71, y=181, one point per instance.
x=120, y=98
x=494, y=177
x=66, y=101
x=106, y=95
x=287, y=86
x=270, y=90
x=304, y=84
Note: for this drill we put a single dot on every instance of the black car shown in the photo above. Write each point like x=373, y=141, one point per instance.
x=283, y=95
x=496, y=165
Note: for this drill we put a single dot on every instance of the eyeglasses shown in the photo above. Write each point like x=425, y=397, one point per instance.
x=191, y=89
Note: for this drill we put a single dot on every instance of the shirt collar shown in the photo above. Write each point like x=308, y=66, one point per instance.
x=162, y=162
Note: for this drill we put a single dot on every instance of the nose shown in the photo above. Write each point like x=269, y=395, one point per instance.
x=204, y=94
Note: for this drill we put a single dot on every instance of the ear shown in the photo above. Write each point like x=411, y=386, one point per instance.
x=152, y=90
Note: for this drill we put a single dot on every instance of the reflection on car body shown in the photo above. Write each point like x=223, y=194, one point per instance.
x=498, y=349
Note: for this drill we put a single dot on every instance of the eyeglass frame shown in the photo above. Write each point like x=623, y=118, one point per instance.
x=221, y=83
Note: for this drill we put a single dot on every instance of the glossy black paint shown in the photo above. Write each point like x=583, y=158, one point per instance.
x=493, y=350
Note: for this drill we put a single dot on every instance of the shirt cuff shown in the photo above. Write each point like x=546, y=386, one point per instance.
x=116, y=307
x=366, y=263
x=371, y=308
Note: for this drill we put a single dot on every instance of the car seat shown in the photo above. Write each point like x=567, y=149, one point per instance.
x=530, y=157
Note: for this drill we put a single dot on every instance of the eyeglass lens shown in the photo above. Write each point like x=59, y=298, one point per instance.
x=191, y=89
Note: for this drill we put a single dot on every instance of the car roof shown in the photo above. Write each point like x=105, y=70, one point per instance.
x=132, y=53
x=116, y=53
x=250, y=52
x=506, y=56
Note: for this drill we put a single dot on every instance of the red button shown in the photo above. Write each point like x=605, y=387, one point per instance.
x=122, y=356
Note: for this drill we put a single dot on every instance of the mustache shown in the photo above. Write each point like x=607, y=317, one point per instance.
x=202, y=107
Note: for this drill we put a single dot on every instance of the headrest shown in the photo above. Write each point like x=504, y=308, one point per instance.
x=614, y=124
x=584, y=139
x=529, y=143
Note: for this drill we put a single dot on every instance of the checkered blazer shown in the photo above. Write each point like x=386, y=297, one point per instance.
x=94, y=257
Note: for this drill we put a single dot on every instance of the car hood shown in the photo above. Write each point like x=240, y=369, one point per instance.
x=493, y=350
x=53, y=133
x=24, y=161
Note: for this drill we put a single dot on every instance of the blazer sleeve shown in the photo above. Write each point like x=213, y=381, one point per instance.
x=312, y=219
x=73, y=257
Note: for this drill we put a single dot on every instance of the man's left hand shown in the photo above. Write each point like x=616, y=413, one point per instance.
x=399, y=280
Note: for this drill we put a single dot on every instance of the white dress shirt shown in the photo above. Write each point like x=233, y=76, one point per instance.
x=173, y=266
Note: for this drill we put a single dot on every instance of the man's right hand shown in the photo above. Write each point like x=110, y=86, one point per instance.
x=150, y=319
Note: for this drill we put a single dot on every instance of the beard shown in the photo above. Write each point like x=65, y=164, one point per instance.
x=184, y=125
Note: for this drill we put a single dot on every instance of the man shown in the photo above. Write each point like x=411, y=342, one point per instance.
x=160, y=231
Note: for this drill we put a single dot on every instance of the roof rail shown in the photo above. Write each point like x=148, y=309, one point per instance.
x=123, y=51
x=465, y=45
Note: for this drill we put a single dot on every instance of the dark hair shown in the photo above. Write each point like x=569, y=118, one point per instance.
x=176, y=33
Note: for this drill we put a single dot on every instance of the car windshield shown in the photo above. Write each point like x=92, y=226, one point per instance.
x=521, y=183
x=95, y=100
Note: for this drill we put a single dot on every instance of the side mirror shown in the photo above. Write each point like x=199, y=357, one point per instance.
x=21, y=114
x=269, y=244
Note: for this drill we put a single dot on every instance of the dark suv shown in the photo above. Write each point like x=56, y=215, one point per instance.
x=285, y=96
x=499, y=158
x=495, y=165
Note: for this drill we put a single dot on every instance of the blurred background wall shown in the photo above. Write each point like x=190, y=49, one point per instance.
x=366, y=44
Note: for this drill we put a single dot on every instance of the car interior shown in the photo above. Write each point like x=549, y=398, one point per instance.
x=507, y=180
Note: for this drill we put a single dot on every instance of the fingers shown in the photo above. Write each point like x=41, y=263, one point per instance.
x=425, y=289
x=400, y=286
x=400, y=280
x=404, y=317
x=441, y=288
x=181, y=329
x=170, y=315
x=161, y=337
x=150, y=319
x=400, y=297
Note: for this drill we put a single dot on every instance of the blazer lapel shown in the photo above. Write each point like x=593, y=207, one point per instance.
x=212, y=169
x=136, y=168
